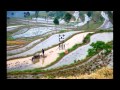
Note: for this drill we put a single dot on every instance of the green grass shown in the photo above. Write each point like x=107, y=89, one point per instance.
x=33, y=71
x=62, y=31
x=97, y=30
x=87, y=38
x=74, y=47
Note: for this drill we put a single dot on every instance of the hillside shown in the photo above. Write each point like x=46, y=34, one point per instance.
x=59, y=44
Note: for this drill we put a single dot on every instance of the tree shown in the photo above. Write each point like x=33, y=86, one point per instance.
x=12, y=13
x=56, y=22
x=67, y=17
x=89, y=13
x=26, y=14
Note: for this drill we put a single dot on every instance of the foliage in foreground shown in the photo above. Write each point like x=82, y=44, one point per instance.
x=103, y=73
x=99, y=45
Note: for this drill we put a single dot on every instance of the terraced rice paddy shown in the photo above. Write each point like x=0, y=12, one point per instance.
x=54, y=39
x=81, y=52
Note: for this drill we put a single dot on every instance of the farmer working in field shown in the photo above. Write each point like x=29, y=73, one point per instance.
x=43, y=52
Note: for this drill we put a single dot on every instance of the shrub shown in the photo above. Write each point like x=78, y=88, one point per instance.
x=62, y=31
x=99, y=45
x=61, y=54
x=75, y=61
x=50, y=76
x=87, y=38
x=91, y=52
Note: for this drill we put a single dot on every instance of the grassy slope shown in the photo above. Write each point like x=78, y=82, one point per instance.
x=92, y=25
x=103, y=73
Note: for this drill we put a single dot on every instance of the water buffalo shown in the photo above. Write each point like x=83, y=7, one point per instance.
x=36, y=56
